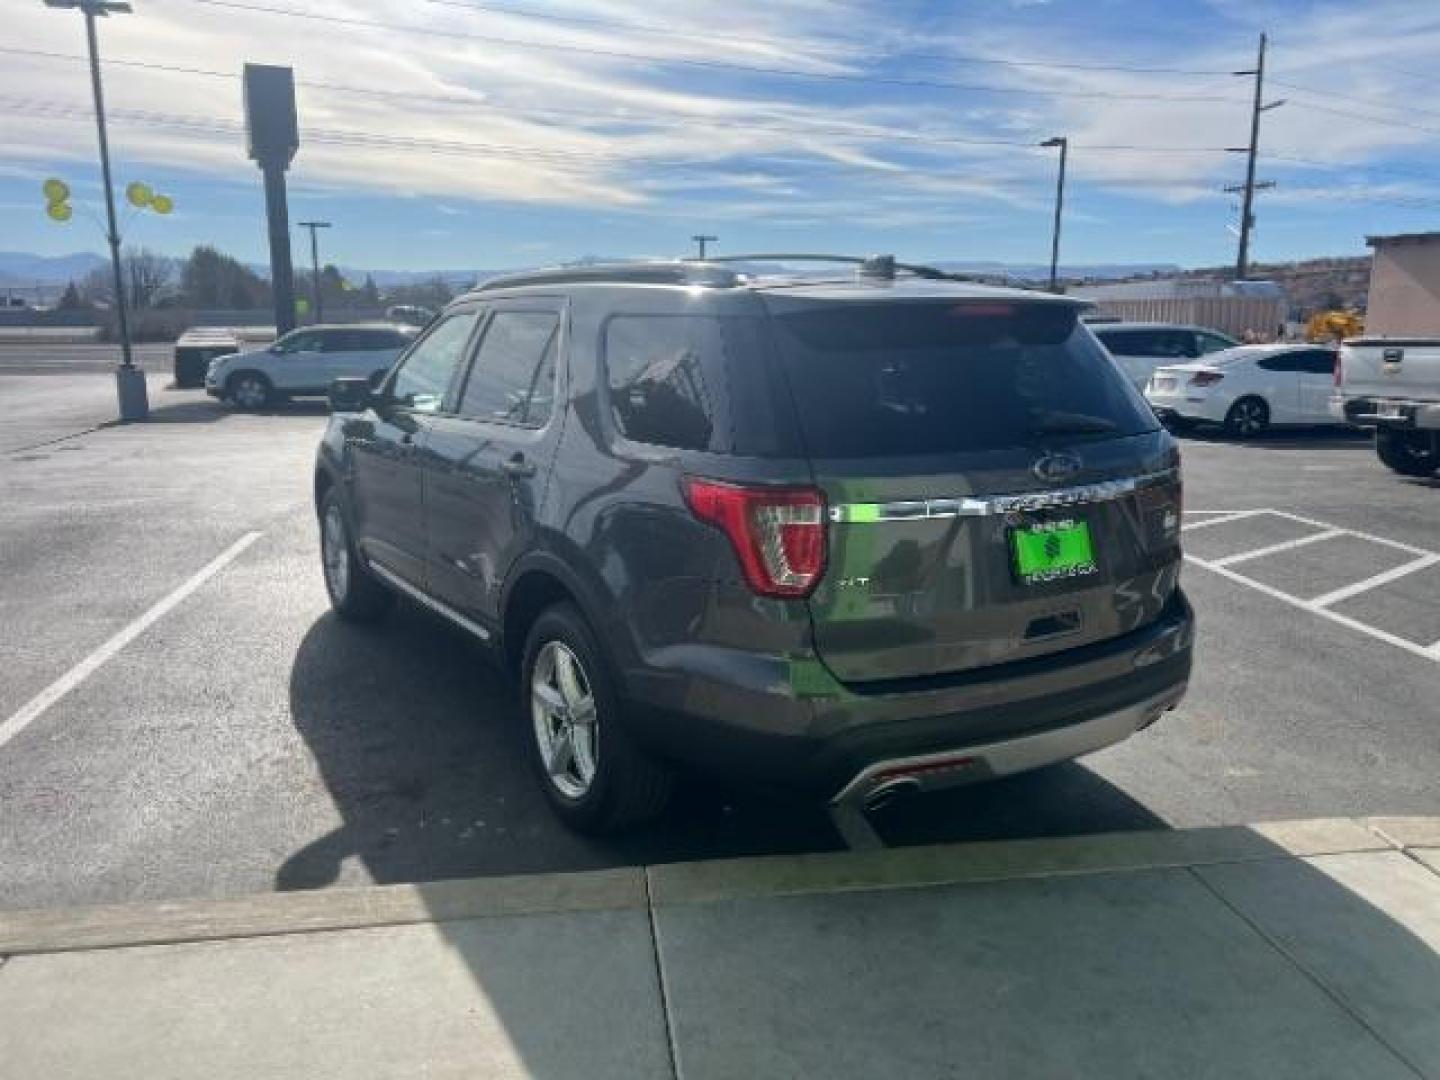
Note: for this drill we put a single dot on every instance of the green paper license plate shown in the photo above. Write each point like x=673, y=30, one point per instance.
x=1052, y=551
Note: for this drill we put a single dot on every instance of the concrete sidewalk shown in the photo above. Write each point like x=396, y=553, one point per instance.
x=1303, y=949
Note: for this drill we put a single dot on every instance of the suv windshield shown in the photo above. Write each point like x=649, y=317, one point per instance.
x=874, y=380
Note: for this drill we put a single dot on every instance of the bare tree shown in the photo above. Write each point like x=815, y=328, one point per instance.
x=146, y=273
x=97, y=287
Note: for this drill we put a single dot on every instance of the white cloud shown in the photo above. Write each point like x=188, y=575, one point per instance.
x=572, y=124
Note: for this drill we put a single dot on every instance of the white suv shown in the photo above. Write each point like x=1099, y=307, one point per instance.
x=305, y=362
x=1139, y=348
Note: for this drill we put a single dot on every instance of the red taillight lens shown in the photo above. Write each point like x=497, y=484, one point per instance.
x=1205, y=378
x=778, y=533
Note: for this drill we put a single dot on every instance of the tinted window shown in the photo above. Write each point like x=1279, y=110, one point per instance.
x=1169, y=344
x=299, y=341
x=1211, y=343
x=1317, y=362
x=695, y=382
x=898, y=379
x=362, y=340
x=423, y=378
x=513, y=377
x=1280, y=362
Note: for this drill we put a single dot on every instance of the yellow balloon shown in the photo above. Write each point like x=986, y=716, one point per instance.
x=162, y=204
x=138, y=193
x=59, y=211
x=56, y=190
x=302, y=306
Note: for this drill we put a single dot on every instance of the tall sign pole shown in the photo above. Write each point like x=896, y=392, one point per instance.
x=273, y=135
x=1064, y=144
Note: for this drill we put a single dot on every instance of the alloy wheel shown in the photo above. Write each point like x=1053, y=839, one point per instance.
x=250, y=393
x=335, y=553
x=1249, y=417
x=562, y=707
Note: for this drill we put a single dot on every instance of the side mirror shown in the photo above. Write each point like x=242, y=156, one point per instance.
x=350, y=395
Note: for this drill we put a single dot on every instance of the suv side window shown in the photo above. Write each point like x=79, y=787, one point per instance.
x=512, y=380
x=1170, y=344
x=423, y=378
x=298, y=341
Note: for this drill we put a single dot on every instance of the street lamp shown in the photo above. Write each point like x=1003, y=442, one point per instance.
x=315, y=265
x=129, y=380
x=1064, y=144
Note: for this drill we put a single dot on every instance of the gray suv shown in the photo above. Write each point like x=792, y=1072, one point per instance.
x=885, y=531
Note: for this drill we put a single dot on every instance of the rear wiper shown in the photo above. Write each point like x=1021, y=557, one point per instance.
x=1067, y=423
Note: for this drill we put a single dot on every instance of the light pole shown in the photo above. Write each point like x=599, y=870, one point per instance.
x=701, y=240
x=1064, y=144
x=129, y=380
x=313, y=226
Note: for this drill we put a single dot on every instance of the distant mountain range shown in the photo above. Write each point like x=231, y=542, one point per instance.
x=23, y=269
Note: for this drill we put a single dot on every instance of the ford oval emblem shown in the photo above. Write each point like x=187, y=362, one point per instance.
x=1056, y=468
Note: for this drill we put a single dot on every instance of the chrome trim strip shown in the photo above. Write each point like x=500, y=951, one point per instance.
x=430, y=602
x=995, y=505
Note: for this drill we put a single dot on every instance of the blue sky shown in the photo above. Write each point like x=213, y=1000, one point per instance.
x=466, y=134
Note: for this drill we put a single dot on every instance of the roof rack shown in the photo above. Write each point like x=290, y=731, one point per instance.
x=676, y=272
x=872, y=266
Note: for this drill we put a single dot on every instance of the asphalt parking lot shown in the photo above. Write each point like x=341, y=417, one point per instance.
x=181, y=716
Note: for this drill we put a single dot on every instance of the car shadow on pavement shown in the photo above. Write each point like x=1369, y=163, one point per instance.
x=418, y=741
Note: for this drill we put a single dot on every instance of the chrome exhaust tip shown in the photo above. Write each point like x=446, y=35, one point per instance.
x=888, y=791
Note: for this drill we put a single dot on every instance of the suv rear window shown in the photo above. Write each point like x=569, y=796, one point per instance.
x=874, y=380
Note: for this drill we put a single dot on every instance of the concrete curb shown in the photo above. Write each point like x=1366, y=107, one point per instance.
x=269, y=914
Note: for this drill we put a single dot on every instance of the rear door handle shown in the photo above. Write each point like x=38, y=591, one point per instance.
x=517, y=466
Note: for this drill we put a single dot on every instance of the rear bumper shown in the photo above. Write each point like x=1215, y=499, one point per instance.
x=1389, y=413
x=777, y=721
x=1198, y=406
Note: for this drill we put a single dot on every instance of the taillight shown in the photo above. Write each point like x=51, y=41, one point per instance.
x=1205, y=378
x=778, y=533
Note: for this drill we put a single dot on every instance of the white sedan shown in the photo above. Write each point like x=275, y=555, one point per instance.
x=1247, y=388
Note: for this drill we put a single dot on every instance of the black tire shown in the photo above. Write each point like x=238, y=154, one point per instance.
x=1406, y=454
x=356, y=595
x=249, y=390
x=1248, y=417
x=628, y=786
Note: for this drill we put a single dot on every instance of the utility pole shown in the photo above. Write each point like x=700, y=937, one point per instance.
x=701, y=239
x=129, y=380
x=313, y=226
x=1252, y=152
x=1064, y=144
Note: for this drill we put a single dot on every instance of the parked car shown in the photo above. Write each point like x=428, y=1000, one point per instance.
x=1248, y=388
x=1393, y=386
x=305, y=362
x=1139, y=348
x=853, y=536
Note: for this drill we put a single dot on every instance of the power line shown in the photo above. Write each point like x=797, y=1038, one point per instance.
x=1359, y=99
x=556, y=158
x=591, y=115
x=1369, y=118
x=709, y=37
x=719, y=65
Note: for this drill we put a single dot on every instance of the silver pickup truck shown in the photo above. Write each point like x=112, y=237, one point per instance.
x=1393, y=386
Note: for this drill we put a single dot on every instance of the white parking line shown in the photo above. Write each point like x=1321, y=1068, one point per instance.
x=1427, y=652
x=37, y=705
x=1375, y=582
x=1224, y=517
x=1275, y=549
x=1321, y=604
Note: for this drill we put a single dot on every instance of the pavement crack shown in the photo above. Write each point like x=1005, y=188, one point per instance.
x=1334, y=995
x=671, y=1042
